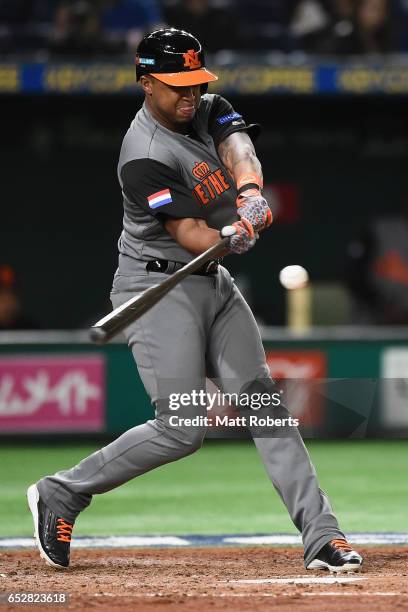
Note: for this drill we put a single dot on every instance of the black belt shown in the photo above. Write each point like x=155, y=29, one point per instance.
x=169, y=267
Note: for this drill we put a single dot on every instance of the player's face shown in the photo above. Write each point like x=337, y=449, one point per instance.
x=174, y=107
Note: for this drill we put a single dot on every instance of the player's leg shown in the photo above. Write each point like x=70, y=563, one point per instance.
x=237, y=357
x=168, y=341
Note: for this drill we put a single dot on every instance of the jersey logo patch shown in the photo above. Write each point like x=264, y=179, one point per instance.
x=191, y=59
x=160, y=198
x=200, y=170
x=228, y=118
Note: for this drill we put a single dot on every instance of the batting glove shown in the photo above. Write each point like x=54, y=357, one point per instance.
x=244, y=237
x=253, y=207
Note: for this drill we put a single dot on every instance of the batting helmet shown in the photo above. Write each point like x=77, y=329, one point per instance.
x=173, y=56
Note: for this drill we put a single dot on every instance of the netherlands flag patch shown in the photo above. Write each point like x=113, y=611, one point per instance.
x=159, y=198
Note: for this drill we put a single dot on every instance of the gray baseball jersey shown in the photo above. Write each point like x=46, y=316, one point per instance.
x=165, y=174
x=202, y=327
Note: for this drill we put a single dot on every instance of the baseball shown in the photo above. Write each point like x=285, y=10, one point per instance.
x=293, y=277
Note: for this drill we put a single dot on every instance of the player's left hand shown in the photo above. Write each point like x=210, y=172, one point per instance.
x=253, y=207
x=244, y=237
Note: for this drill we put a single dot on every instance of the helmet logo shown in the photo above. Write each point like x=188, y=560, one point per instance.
x=191, y=59
x=144, y=61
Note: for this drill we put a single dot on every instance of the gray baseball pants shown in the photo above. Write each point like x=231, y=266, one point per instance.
x=203, y=326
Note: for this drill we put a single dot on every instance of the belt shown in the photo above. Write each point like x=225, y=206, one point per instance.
x=169, y=267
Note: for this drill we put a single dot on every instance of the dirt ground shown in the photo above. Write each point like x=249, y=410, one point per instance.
x=186, y=580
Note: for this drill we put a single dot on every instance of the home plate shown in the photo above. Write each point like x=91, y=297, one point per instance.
x=300, y=580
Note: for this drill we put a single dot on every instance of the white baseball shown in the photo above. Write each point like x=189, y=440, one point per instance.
x=293, y=277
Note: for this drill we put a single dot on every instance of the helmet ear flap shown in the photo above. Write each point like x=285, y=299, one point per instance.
x=204, y=88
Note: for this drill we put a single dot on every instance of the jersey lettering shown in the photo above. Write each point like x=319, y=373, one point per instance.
x=223, y=180
x=212, y=186
x=215, y=183
x=199, y=191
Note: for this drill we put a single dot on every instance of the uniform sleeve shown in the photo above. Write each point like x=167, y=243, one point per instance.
x=158, y=190
x=224, y=120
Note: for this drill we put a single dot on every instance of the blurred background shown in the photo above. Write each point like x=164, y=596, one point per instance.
x=328, y=81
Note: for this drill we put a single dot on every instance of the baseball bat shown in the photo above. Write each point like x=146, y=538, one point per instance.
x=117, y=320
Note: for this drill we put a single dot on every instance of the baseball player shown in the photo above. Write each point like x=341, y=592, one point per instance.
x=188, y=168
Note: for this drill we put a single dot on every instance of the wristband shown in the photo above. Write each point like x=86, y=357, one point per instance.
x=248, y=186
x=249, y=179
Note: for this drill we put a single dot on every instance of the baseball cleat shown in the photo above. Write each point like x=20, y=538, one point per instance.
x=52, y=533
x=337, y=556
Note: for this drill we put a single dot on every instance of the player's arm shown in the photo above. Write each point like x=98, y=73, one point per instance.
x=237, y=153
x=196, y=237
x=232, y=139
x=158, y=189
x=192, y=234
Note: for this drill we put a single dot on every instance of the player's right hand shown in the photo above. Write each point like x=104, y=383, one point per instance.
x=244, y=238
x=253, y=207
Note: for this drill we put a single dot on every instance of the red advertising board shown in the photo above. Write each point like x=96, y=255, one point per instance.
x=301, y=374
x=284, y=200
x=52, y=393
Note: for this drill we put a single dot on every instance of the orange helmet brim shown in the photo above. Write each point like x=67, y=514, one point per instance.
x=186, y=79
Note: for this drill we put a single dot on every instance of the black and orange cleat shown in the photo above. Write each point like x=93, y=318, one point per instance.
x=337, y=556
x=52, y=533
